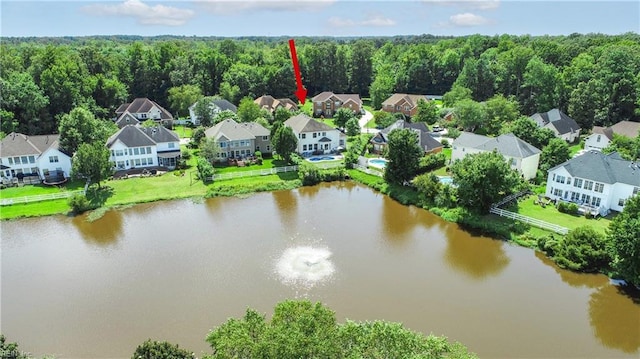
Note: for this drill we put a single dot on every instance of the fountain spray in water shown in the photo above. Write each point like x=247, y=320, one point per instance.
x=305, y=266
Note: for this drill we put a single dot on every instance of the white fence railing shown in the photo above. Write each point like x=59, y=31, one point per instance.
x=38, y=197
x=532, y=221
x=368, y=171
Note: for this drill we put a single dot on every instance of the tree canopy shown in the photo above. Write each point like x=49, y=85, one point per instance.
x=285, y=142
x=624, y=240
x=91, y=162
x=404, y=156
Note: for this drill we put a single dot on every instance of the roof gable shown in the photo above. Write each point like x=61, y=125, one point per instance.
x=231, y=130
x=144, y=105
x=18, y=144
x=626, y=128
x=131, y=136
x=599, y=167
x=303, y=123
x=507, y=145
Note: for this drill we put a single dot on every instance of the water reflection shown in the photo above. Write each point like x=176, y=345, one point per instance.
x=287, y=204
x=214, y=205
x=309, y=191
x=397, y=220
x=475, y=257
x=104, y=231
x=615, y=319
x=574, y=279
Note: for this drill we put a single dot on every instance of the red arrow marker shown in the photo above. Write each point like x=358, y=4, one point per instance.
x=301, y=92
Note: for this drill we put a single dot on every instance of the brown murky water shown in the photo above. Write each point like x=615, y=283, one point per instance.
x=173, y=270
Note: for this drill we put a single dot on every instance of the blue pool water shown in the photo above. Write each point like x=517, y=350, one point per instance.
x=323, y=158
x=445, y=179
x=378, y=162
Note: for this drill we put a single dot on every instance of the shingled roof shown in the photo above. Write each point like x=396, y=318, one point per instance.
x=426, y=142
x=302, y=123
x=134, y=136
x=507, y=145
x=234, y=131
x=344, y=97
x=17, y=144
x=143, y=105
x=606, y=168
x=411, y=99
x=558, y=119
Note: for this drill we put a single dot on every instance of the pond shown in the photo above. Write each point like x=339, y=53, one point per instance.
x=173, y=270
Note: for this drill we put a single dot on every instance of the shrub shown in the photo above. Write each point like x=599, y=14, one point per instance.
x=445, y=143
x=567, y=207
x=161, y=350
x=80, y=204
x=583, y=249
x=205, y=170
x=186, y=154
x=432, y=162
x=309, y=174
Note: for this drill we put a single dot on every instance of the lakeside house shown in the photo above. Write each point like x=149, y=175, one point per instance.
x=523, y=157
x=239, y=140
x=271, y=104
x=557, y=121
x=595, y=181
x=327, y=103
x=601, y=137
x=215, y=107
x=139, y=147
x=140, y=110
x=315, y=137
x=406, y=104
x=427, y=143
x=24, y=156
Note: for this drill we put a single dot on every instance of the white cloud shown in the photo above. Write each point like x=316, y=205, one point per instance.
x=244, y=6
x=467, y=4
x=467, y=19
x=145, y=14
x=373, y=20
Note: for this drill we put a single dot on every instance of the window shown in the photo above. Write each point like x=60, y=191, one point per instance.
x=265, y=138
x=268, y=148
x=324, y=134
x=127, y=163
x=557, y=192
x=148, y=150
x=315, y=135
x=17, y=160
x=304, y=147
x=575, y=196
x=126, y=151
x=304, y=135
x=119, y=153
x=586, y=198
x=25, y=159
x=144, y=161
x=113, y=153
x=137, y=162
x=34, y=169
x=595, y=201
x=577, y=183
x=53, y=159
x=150, y=161
x=172, y=145
x=569, y=180
x=120, y=164
x=621, y=202
x=635, y=190
x=223, y=144
x=599, y=187
x=588, y=185
x=32, y=159
x=598, y=139
x=143, y=115
x=560, y=179
x=10, y=160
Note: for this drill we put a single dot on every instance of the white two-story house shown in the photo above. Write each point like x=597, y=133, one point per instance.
x=314, y=136
x=136, y=147
x=22, y=155
x=594, y=180
x=522, y=156
x=601, y=137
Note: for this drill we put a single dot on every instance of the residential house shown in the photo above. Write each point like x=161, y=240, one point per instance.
x=140, y=110
x=136, y=147
x=562, y=125
x=595, y=180
x=426, y=142
x=239, y=140
x=216, y=106
x=601, y=137
x=271, y=104
x=403, y=103
x=327, y=103
x=22, y=155
x=523, y=157
x=314, y=136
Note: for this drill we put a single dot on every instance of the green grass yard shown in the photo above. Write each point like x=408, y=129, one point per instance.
x=552, y=215
x=32, y=190
x=183, y=131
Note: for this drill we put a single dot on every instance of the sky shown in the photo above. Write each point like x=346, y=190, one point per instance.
x=316, y=17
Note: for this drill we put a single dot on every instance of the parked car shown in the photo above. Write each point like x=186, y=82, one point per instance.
x=437, y=128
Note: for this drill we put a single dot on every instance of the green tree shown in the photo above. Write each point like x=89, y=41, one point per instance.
x=80, y=126
x=554, y=153
x=248, y=110
x=181, y=97
x=224, y=115
x=281, y=114
x=91, y=162
x=20, y=96
x=500, y=111
x=540, y=87
x=470, y=114
x=353, y=127
x=209, y=149
x=161, y=350
x=203, y=110
x=10, y=350
x=457, y=93
x=624, y=241
x=285, y=142
x=383, y=119
x=483, y=179
x=342, y=116
x=205, y=169
x=428, y=185
x=427, y=112
x=404, y=156
x=149, y=123
x=583, y=249
x=628, y=148
x=527, y=130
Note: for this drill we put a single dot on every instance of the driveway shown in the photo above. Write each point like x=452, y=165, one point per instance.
x=363, y=123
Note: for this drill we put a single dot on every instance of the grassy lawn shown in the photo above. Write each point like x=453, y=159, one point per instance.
x=371, y=124
x=32, y=209
x=447, y=153
x=183, y=131
x=307, y=108
x=266, y=164
x=552, y=215
x=574, y=149
x=32, y=190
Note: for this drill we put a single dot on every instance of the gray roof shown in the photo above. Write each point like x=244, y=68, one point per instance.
x=231, y=130
x=557, y=119
x=17, y=144
x=404, y=124
x=126, y=119
x=143, y=105
x=603, y=131
x=606, y=168
x=303, y=123
x=225, y=105
x=255, y=128
x=626, y=128
x=426, y=142
x=507, y=145
x=134, y=136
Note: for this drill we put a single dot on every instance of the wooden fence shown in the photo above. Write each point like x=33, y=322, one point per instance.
x=532, y=221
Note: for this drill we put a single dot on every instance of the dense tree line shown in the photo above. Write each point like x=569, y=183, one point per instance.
x=594, y=78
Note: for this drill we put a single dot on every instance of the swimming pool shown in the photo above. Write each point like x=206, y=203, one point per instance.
x=445, y=179
x=378, y=162
x=321, y=158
